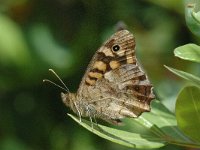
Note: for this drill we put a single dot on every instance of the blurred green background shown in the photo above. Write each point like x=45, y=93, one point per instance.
x=36, y=35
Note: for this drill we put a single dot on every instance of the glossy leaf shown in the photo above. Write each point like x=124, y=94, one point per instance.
x=192, y=17
x=164, y=120
x=188, y=112
x=134, y=140
x=187, y=76
x=189, y=52
x=160, y=126
x=196, y=16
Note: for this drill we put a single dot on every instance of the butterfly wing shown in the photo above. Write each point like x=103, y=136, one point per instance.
x=114, y=84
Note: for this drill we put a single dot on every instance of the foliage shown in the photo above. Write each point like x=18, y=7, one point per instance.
x=188, y=105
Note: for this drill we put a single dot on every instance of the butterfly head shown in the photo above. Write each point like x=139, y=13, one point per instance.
x=69, y=99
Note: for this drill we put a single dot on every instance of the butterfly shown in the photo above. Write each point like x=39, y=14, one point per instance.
x=114, y=86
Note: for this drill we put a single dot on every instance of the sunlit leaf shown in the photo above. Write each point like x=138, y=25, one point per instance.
x=188, y=112
x=192, y=78
x=160, y=124
x=189, y=52
x=192, y=17
x=164, y=120
x=13, y=47
x=163, y=123
x=196, y=16
x=125, y=138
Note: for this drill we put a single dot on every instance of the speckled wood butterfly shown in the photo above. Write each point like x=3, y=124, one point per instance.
x=114, y=85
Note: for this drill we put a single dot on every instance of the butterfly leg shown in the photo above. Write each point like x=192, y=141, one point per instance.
x=91, y=122
x=89, y=114
x=79, y=113
x=95, y=120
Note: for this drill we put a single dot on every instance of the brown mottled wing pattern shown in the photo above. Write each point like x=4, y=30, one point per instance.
x=114, y=85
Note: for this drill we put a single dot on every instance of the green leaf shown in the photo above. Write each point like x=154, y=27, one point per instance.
x=192, y=17
x=13, y=47
x=188, y=112
x=164, y=120
x=189, y=52
x=187, y=76
x=162, y=123
x=125, y=138
x=196, y=16
x=151, y=130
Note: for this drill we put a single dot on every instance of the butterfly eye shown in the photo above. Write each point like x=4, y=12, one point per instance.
x=115, y=48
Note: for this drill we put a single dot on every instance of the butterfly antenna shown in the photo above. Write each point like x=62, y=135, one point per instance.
x=46, y=80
